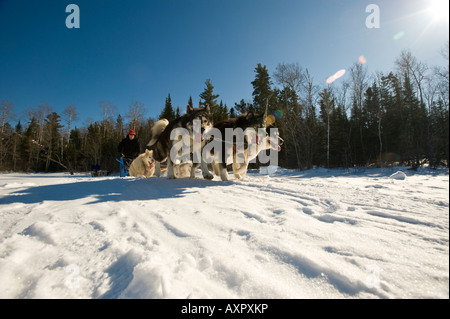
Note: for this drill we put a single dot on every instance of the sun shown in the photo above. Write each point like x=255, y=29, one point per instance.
x=439, y=9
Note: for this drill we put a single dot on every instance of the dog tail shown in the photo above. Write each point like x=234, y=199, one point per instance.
x=157, y=130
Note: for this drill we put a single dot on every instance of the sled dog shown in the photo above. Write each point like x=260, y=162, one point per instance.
x=161, y=143
x=242, y=147
x=143, y=165
x=244, y=121
x=257, y=145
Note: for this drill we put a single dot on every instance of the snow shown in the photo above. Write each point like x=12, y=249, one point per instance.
x=276, y=234
x=398, y=175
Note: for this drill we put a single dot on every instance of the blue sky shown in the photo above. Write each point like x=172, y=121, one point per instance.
x=142, y=50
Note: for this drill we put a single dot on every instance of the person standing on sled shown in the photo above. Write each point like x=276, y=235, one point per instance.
x=129, y=148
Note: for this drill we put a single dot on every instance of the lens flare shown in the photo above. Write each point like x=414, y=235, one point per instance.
x=335, y=76
x=270, y=119
x=278, y=114
x=362, y=59
x=399, y=35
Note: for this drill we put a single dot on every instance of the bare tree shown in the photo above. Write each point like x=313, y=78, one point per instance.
x=442, y=74
x=41, y=114
x=7, y=111
x=108, y=111
x=341, y=96
x=408, y=64
x=359, y=82
x=289, y=75
x=136, y=114
x=300, y=118
x=327, y=106
x=71, y=115
x=308, y=98
x=359, y=85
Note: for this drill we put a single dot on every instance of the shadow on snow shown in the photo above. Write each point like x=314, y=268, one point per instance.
x=107, y=190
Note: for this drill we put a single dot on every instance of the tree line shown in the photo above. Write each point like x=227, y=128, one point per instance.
x=398, y=118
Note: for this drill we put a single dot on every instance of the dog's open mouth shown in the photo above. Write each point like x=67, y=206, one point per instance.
x=275, y=146
x=279, y=143
x=152, y=163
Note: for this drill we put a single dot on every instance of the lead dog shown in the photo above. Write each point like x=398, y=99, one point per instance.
x=161, y=142
x=240, y=169
x=255, y=143
x=252, y=145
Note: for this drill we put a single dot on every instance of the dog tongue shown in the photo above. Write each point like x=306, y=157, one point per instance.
x=277, y=146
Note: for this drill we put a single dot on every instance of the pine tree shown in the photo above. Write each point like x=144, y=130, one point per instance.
x=394, y=137
x=93, y=144
x=326, y=109
x=28, y=148
x=290, y=128
x=73, y=153
x=208, y=97
x=357, y=154
x=168, y=112
x=221, y=113
x=119, y=127
x=52, y=141
x=373, y=113
x=232, y=113
x=263, y=95
x=190, y=102
x=16, y=145
x=243, y=107
x=339, y=138
x=416, y=123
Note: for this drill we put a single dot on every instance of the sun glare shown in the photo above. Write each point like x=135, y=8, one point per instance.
x=439, y=9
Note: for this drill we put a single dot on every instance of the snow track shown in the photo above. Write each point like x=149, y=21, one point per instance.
x=316, y=234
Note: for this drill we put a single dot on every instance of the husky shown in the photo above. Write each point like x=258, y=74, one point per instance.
x=253, y=144
x=143, y=165
x=244, y=121
x=161, y=142
x=250, y=153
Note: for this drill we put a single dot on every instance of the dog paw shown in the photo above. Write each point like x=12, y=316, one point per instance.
x=208, y=176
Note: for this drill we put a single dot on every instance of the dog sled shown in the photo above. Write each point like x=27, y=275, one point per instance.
x=124, y=167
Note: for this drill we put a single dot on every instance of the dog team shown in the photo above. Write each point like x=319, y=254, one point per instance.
x=192, y=140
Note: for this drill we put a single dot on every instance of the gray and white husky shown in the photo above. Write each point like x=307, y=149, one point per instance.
x=168, y=136
x=259, y=143
x=240, y=141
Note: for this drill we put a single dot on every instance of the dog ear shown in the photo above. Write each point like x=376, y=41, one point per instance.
x=207, y=108
x=189, y=108
x=250, y=115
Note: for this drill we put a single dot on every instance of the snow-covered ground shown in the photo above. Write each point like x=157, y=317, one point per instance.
x=314, y=234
